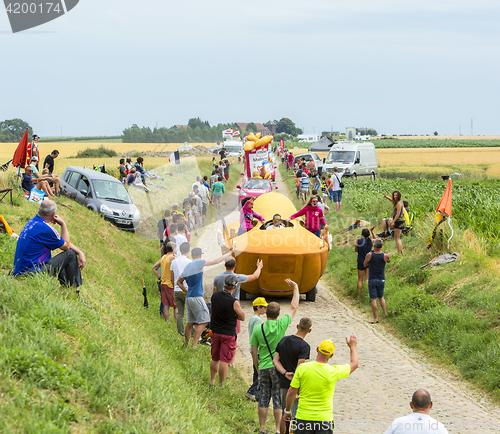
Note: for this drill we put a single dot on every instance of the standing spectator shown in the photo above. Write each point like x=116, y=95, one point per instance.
x=363, y=246
x=315, y=179
x=329, y=188
x=175, y=210
x=180, y=237
x=316, y=381
x=205, y=183
x=32, y=151
x=49, y=160
x=162, y=225
x=376, y=277
x=197, y=310
x=304, y=187
x=313, y=214
x=337, y=189
x=190, y=213
x=123, y=170
x=204, y=195
x=38, y=238
x=195, y=196
x=418, y=422
x=177, y=266
x=170, y=233
x=259, y=309
x=398, y=221
x=227, y=166
x=218, y=191
x=226, y=310
x=290, y=353
x=230, y=264
x=222, y=153
x=166, y=285
x=247, y=214
x=290, y=161
x=265, y=339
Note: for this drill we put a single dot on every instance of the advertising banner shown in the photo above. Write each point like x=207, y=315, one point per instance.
x=257, y=161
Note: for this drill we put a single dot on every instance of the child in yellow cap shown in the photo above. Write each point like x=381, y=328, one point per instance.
x=259, y=308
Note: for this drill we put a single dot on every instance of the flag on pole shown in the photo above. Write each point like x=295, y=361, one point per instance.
x=282, y=144
x=236, y=133
x=20, y=153
x=227, y=133
x=443, y=213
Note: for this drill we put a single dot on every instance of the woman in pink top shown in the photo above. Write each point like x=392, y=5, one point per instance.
x=247, y=214
x=314, y=216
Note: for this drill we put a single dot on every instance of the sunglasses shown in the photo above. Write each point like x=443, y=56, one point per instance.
x=314, y=201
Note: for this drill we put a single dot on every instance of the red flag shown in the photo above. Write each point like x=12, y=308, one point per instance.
x=444, y=207
x=20, y=154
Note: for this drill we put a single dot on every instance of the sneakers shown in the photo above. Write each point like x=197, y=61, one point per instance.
x=250, y=397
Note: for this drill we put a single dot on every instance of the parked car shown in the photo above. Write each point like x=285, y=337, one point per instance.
x=311, y=156
x=358, y=158
x=254, y=187
x=103, y=194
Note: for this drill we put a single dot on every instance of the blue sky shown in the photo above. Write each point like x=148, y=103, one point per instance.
x=403, y=66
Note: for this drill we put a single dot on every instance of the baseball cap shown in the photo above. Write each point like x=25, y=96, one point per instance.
x=230, y=281
x=260, y=301
x=196, y=252
x=34, y=159
x=327, y=347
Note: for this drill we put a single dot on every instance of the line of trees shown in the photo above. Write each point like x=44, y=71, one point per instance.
x=12, y=130
x=197, y=131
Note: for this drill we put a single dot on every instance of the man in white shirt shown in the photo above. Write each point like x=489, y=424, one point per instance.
x=418, y=422
x=180, y=238
x=276, y=223
x=177, y=267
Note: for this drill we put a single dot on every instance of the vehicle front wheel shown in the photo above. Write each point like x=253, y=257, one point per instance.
x=311, y=295
x=373, y=176
x=355, y=175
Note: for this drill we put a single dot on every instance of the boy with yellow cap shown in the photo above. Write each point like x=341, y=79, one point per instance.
x=259, y=308
x=316, y=381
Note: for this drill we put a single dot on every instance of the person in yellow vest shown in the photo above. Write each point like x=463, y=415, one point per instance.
x=166, y=280
x=316, y=381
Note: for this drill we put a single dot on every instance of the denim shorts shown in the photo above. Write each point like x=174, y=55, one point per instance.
x=376, y=288
x=337, y=195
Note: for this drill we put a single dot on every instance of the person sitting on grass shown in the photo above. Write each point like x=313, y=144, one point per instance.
x=38, y=238
x=28, y=182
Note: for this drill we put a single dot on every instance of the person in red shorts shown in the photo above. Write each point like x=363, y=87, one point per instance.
x=225, y=311
x=166, y=280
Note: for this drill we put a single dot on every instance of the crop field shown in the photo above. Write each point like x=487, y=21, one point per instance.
x=71, y=148
x=460, y=142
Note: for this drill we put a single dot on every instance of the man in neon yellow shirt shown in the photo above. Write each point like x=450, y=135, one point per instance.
x=316, y=381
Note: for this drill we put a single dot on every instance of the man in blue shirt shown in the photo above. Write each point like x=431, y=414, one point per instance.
x=197, y=310
x=36, y=241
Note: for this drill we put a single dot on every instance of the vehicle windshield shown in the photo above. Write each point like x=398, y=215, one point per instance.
x=257, y=183
x=233, y=148
x=109, y=190
x=340, y=157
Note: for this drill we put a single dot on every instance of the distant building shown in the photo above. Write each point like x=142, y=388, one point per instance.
x=260, y=128
x=330, y=133
x=308, y=137
x=271, y=127
x=178, y=127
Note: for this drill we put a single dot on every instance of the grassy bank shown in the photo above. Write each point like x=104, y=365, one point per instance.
x=450, y=312
x=114, y=368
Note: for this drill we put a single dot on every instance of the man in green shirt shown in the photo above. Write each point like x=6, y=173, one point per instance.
x=265, y=338
x=316, y=381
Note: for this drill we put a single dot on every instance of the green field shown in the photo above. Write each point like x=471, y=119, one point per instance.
x=112, y=368
x=451, y=312
x=434, y=143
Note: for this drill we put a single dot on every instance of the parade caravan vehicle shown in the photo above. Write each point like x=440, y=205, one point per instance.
x=233, y=148
x=358, y=158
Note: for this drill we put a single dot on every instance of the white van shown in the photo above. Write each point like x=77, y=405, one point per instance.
x=359, y=158
x=233, y=147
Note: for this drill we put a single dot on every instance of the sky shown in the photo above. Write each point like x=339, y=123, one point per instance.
x=398, y=66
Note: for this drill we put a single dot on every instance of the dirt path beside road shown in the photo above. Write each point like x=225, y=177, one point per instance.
x=389, y=372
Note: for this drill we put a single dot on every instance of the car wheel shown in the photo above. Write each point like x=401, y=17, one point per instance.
x=311, y=295
x=355, y=175
x=243, y=294
x=373, y=176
